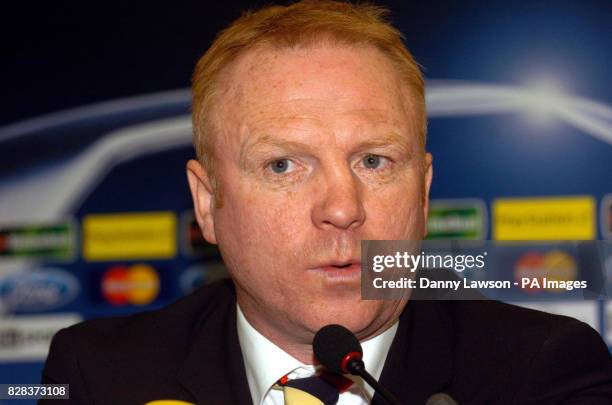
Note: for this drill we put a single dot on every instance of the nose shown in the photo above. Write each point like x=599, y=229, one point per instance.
x=340, y=204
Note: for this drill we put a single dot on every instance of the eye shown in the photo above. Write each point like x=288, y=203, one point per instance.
x=373, y=161
x=281, y=166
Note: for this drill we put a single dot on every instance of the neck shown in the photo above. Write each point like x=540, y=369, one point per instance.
x=295, y=340
x=299, y=347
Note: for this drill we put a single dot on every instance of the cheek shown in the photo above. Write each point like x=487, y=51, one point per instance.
x=258, y=230
x=397, y=212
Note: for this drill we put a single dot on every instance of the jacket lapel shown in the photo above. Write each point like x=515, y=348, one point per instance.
x=419, y=363
x=214, y=369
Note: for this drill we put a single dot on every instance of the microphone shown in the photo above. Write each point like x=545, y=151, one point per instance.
x=440, y=399
x=338, y=349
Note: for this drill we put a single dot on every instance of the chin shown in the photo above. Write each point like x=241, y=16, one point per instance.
x=362, y=317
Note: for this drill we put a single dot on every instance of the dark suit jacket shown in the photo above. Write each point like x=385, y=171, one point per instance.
x=480, y=352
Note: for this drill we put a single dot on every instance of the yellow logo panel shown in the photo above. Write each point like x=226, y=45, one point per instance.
x=150, y=235
x=554, y=218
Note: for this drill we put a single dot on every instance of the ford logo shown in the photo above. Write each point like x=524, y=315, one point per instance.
x=38, y=290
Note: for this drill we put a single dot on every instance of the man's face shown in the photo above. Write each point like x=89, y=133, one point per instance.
x=316, y=150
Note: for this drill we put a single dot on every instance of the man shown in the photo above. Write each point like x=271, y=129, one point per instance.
x=309, y=125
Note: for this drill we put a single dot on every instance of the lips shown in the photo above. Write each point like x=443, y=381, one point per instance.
x=339, y=270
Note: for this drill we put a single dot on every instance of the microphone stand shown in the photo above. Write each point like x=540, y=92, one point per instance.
x=356, y=367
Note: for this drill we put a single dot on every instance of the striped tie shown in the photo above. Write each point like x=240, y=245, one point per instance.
x=322, y=389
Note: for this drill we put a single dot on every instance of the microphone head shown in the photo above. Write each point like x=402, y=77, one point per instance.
x=334, y=346
x=440, y=399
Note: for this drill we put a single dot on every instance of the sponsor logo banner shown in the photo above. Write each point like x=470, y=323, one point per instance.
x=456, y=219
x=554, y=218
x=555, y=265
x=27, y=337
x=149, y=235
x=137, y=284
x=38, y=290
x=42, y=241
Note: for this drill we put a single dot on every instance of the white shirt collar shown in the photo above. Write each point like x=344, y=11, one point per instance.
x=265, y=362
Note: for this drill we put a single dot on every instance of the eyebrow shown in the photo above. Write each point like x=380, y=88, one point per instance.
x=388, y=139
x=268, y=140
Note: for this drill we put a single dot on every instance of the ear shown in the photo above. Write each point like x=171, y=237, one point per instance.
x=203, y=199
x=428, y=175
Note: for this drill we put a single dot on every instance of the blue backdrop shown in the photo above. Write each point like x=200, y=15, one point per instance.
x=519, y=105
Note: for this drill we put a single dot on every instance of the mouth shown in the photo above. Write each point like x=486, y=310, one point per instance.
x=339, y=270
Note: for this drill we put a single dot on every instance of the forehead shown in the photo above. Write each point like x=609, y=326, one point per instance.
x=314, y=86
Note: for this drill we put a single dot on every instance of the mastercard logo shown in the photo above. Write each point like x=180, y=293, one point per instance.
x=3, y=243
x=130, y=285
x=555, y=265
